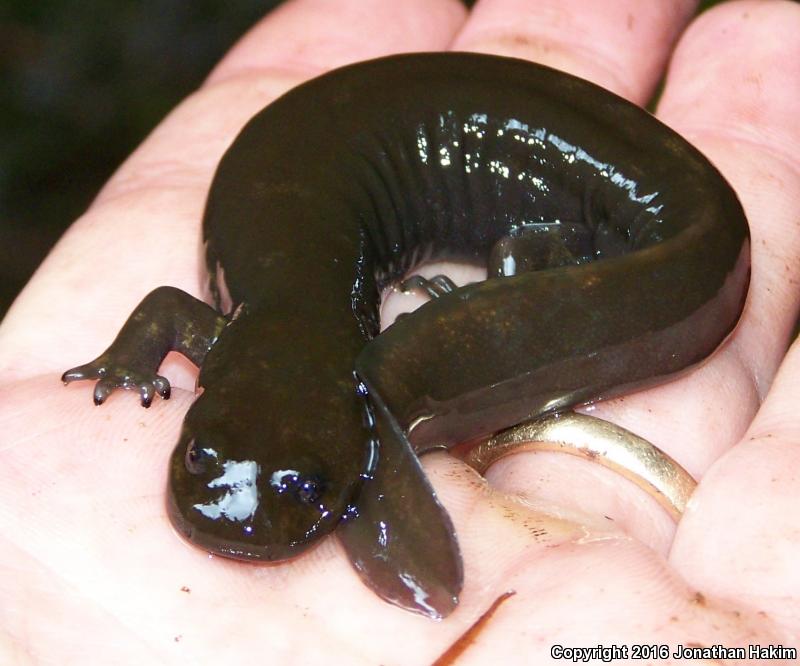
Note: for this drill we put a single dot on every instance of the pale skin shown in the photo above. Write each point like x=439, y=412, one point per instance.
x=92, y=572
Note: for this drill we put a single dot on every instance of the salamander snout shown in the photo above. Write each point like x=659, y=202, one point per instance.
x=249, y=509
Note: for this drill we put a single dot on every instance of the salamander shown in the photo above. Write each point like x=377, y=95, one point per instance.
x=617, y=257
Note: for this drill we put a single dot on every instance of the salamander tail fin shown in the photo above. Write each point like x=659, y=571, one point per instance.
x=402, y=542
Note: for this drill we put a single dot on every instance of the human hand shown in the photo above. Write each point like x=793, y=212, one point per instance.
x=89, y=566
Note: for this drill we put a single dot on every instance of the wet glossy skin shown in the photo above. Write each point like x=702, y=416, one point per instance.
x=622, y=257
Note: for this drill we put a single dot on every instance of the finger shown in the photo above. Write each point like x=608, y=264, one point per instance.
x=336, y=35
x=748, y=127
x=740, y=538
x=576, y=581
x=143, y=230
x=622, y=46
x=739, y=108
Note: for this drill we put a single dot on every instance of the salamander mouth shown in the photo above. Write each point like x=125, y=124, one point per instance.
x=227, y=545
x=249, y=539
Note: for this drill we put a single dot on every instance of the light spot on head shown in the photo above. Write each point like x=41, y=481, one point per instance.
x=241, y=500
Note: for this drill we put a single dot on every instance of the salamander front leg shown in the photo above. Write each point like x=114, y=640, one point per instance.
x=168, y=319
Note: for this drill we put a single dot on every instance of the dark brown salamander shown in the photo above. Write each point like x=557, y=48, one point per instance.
x=618, y=255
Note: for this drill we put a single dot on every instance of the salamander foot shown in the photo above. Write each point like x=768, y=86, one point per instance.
x=111, y=376
x=438, y=285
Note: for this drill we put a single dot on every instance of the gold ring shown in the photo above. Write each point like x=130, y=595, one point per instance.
x=601, y=442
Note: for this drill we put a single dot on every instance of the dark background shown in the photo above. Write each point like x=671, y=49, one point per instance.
x=82, y=82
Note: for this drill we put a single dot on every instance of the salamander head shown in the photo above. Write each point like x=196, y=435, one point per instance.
x=233, y=494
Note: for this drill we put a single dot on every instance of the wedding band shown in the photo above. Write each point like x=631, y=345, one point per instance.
x=601, y=442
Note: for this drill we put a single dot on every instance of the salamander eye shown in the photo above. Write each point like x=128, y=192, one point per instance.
x=199, y=457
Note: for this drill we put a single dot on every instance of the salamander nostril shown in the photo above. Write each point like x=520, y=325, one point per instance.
x=309, y=490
